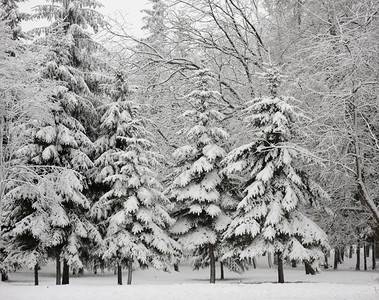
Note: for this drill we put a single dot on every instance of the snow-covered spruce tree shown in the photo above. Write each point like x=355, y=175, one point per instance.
x=60, y=144
x=24, y=107
x=31, y=211
x=74, y=56
x=154, y=21
x=10, y=14
x=230, y=197
x=72, y=62
x=197, y=186
x=270, y=217
x=133, y=209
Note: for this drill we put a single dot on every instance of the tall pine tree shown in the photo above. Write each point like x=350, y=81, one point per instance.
x=67, y=143
x=133, y=208
x=24, y=109
x=270, y=218
x=197, y=187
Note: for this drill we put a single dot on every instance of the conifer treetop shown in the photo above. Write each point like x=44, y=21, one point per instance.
x=10, y=14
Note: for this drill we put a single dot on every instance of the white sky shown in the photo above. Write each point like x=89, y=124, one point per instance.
x=131, y=9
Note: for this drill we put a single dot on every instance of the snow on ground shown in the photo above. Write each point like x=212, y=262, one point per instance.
x=345, y=283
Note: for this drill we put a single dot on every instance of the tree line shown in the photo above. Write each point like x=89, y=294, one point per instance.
x=233, y=129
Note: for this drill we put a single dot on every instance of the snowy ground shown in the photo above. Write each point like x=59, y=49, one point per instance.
x=346, y=283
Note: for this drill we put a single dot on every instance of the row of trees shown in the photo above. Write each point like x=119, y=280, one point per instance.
x=82, y=180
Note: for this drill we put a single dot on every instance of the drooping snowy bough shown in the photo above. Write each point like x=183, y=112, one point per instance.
x=270, y=218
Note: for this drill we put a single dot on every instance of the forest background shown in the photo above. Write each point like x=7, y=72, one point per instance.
x=90, y=120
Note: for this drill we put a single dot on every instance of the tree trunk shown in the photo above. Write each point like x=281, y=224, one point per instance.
x=280, y=268
x=269, y=259
x=373, y=255
x=254, y=263
x=376, y=243
x=342, y=254
x=222, y=276
x=365, y=256
x=130, y=271
x=358, y=265
x=309, y=269
x=58, y=275
x=176, y=267
x=293, y=263
x=4, y=276
x=336, y=258
x=36, y=275
x=326, y=263
x=66, y=272
x=119, y=274
x=363, y=195
x=351, y=252
x=212, y=263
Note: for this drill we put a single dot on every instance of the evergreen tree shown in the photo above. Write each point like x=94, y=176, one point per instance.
x=197, y=187
x=154, y=21
x=10, y=14
x=57, y=144
x=25, y=188
x=270, y=217
x=133, y=209
x=31, y=211
x=71, y=61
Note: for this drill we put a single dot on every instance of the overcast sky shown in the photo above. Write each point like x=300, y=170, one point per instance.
x=131, y=9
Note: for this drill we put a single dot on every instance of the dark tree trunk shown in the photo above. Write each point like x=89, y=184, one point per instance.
x=58, y=275
x=119, y=274
x=336, y=258
x=358, y=265
x=326, y=263
x=254, y=263
x=342, y=254
x=212, y=263
x=365, y=256
x=280, y=267
x=222, y=277
x=102, y=267
x=36, y=275
x=373, y=255
x=293, y=263
x=66, y=272
x=176, y=267
x=309, y=269
x=376, y=245
x=4, y=276
x=351, y=252
x=130, y=271
x=81, y=271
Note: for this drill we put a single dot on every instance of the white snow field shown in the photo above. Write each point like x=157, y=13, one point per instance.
x=345, y=283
